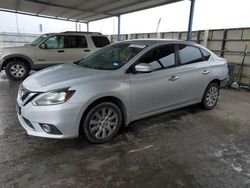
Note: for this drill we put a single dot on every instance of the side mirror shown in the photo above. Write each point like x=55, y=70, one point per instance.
x=43, y=46
x=143, y=68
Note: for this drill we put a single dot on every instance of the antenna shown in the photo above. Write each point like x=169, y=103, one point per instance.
x=159, y=22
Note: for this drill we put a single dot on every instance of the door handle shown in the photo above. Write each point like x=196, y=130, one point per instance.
x=60, y=51
x=173, y=78
x=206, y=72
x=86, y=50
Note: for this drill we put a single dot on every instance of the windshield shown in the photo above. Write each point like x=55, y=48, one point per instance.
x=111, y=57
x=38, y=40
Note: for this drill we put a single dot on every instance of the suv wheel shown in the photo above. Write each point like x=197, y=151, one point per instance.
x=17, y=70
x=210, y=97
x=102, y=122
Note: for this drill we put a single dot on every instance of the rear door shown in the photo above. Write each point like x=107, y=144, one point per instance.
x=194, y=73
x=76, y=47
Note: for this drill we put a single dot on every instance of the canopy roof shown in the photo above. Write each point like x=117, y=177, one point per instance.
x=79, y=10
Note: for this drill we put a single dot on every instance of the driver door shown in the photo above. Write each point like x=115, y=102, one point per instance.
x=154, y=91
x=52, y=51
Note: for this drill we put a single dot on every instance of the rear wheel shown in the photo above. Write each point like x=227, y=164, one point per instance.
x=210, y=97
x=102, y=122
x=17, y=70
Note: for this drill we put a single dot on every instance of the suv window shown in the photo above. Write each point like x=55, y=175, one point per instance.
x=75, y=42
x=100, y=41
x=159, y=57
x=55, y=42
x=206, y=54
x=189, y=54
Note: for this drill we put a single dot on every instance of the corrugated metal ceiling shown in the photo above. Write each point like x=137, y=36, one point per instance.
x=79, y=10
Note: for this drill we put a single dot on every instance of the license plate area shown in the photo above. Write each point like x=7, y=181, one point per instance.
x=18, y=109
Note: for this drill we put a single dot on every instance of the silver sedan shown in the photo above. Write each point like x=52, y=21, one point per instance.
x=118, y=84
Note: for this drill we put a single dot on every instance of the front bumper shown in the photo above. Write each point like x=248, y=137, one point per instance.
x=65, y=117
x=1, y=64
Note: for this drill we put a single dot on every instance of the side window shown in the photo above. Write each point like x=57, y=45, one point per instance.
x=75, y=42
x=100, y=41
x=163, y=56
x=206, y=54
x=55, y=42
x=152, y=59
x=167, y=56
x=189, y=54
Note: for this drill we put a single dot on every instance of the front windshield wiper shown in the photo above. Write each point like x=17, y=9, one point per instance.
x=85, y=65
x=90, y=66
x=101, y=68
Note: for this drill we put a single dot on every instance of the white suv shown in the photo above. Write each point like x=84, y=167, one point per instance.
x=47, y=50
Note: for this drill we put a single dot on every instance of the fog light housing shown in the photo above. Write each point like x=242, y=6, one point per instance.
x=46, y=128
x=50, y=129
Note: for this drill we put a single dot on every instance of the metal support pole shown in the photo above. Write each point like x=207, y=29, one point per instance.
x=223, y=43
x=76, y=26
x=119, y=28
x=190, y=24
x=87, y=26
x=205, y=38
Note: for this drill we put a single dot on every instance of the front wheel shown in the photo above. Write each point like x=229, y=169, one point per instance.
x=17, y=70
x=102, y=122
x=210, y=97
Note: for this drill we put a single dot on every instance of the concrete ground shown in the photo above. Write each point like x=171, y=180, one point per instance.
x=189, y=147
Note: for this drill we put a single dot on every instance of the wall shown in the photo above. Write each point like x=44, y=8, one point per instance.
x=227, y=43
x=15, y=39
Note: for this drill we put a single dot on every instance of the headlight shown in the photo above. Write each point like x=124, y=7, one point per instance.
x=52, y=98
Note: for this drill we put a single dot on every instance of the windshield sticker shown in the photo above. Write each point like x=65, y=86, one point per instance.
x=115, y=64
x=137, y=46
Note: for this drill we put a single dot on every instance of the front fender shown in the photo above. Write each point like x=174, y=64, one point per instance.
x=27, y=59
x=89, y=93
x=1, y=64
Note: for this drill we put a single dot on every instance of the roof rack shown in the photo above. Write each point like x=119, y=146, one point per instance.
x=83, y=32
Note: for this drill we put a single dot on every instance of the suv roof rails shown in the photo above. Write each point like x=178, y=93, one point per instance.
x=83, y=32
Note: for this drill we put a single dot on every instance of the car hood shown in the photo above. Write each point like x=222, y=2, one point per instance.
x=62, y=76
x=15, y=49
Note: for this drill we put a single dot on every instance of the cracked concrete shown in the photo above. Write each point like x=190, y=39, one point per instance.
x=189, y=147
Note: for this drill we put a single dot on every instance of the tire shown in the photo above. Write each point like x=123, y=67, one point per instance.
x=17, y=70
x=102, y=122
x=210, y=97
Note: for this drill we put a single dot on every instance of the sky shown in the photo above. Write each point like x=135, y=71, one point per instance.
x=209, y=14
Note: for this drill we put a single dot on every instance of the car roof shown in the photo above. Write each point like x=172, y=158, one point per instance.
x=158, y=41
x=76, y=33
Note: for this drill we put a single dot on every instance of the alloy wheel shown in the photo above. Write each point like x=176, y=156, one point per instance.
x=212, y=96
x=103, y=123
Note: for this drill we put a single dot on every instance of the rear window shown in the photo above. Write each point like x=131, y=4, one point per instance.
x=189, y=54
x=100, y=41
x=206, y=54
